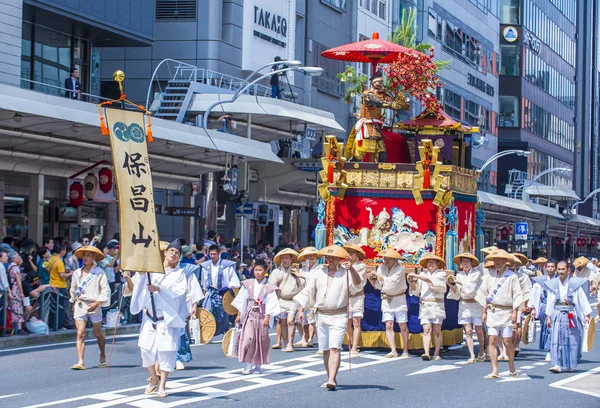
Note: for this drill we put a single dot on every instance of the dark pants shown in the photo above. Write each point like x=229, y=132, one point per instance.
x=275, y=92
x=61, y=308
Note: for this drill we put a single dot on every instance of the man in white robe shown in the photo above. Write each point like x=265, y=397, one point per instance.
x=161, y=298
x=290, y=282
x=430, y=287
x=518, y=267
x=391, y=281
x=308, y=329
x=357, y=296
x=501, y=298
x=538, y=301
x=193, y=295
x=463, y=287
x=329, y=291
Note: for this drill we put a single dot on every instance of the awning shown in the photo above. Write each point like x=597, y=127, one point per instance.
x=50, y=135
x=587, y=221
x=271, y=118
x=555, y=193
x=517, y=206
x=292, y=183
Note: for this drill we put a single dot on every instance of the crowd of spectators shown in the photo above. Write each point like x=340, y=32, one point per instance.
x=28, y=270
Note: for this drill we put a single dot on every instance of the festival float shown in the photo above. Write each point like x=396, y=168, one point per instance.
x=417, y=197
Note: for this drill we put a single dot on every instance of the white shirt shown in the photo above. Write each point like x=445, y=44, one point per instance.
x=270, y=301
x=230, y=278
x=3, y=278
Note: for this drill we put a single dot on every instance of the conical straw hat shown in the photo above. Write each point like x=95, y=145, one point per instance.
x=334, y=250
x=286, y=251
x=308, y=251
x=423, y=261
x=474, y=261
x=389, y=253
x=361, y=252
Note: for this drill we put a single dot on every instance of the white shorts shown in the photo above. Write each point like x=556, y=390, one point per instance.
x=475, y=321
x=505, y=331
x=94, y=318
x=331, y=331
x=284, y=315
x=166, y=359
x=437, y=320
x=308, y=320
x=398, y=317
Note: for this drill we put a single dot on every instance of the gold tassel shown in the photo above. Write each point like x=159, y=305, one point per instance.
x=149, y=131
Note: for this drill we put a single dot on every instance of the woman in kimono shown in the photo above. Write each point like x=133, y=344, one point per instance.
x=463, y=287
x=161, y=298
x=329, y=292
x=89, y=294
x=568, y=309
x=538, y=302
x=391, y=281
x=256, y=302
x=307, y=330
x=357, y=296
x=290, y=281
x=430, y=286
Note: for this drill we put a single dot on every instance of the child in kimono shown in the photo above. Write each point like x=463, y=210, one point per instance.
x=568, y=309
x=256, y=301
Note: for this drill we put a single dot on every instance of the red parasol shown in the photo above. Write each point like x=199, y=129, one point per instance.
x=375, y=51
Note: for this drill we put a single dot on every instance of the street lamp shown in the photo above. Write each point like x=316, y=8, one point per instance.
x=313, y=71
x=524, y=153
x=543, y=173
x=596, y=191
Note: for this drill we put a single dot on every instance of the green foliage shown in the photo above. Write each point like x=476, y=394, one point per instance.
x=354, y=83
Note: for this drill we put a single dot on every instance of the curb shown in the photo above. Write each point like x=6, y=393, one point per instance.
x=61, y=336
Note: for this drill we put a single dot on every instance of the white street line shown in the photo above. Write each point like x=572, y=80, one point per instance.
x=434, y=369
x=563, y=384
x=231, y=376
x=540, y=363
x=10, y=395
x=528, y=367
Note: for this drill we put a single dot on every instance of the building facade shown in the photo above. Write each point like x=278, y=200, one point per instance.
x=466, y=33
x=538, y=93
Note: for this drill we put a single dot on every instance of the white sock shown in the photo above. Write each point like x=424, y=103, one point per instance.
x=248, y=367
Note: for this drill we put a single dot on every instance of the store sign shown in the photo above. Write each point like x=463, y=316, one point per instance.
x=533, y=43
x=268, y=32
x=185, y=211
x=137, y=213
x=481, y=85
x=510, y=34
x=308, y=165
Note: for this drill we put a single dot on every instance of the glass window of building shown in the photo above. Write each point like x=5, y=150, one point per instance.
x=452, y=104
x=341, y=4
x=510, y=60
x=510, y=12
x=509, y=111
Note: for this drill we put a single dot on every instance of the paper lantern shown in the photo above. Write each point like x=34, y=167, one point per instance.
x=105, y=179
x=579, y=242
x=504, y=232
x=76, y=194
x=593, y=242
x=91, y=186
x=568, y=238
x=558, y=241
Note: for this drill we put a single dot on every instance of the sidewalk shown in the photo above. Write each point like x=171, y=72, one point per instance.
x=61, y=336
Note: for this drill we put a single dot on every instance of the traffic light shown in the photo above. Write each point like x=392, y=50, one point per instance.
x=263, y=215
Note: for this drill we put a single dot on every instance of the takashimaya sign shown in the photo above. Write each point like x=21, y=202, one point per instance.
x=268, y=32
x=271, y=21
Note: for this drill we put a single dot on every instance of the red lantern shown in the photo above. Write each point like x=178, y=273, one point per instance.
x=569, y=238
x=76, y=194
x=593, y=242
x=579, y=242
x=504, y=232
x=558, y=241
x=105, y=179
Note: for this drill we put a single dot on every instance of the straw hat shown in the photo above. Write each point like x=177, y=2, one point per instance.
x=227, y=301
x=390, y=253
x=591, y=333
x=581, y=261
x=226, y=342
x=308, y=251
x=334, y=250
x=423, y=262
x=474, y=261
x=488, y=250
x=540, y=260
x=522, y=258
x=163, y=245
x=352, y=247
x=208, y=325
x=526, y=322
x=500, y=254
x=286, y=251
x=98, y=255
x=488, y=264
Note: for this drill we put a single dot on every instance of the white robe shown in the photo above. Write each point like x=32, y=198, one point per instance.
x=289, y=287
x=230, y=277
x=270, y=301
x=430, y=309
x=467, y=285
x=508, y=298
x=169, y=301
x=328, y=295
x=525, y=282
x=535, y=300
x=394, y=286
x=193, y=293
x=357, y=293
x=582, y=305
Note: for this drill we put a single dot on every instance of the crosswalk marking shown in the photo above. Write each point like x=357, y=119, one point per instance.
x=527, y=367
x=541, y=363
x=570, y=383
x=300, y=368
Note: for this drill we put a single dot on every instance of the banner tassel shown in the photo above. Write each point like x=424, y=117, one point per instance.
x=149, y=131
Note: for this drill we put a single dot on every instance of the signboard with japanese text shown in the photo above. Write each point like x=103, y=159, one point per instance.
x=137, y=213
